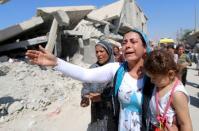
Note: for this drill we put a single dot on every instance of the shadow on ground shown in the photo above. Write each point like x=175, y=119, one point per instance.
x=5, y=102
x=194, y=101
x=192, y=68
x=192, y=84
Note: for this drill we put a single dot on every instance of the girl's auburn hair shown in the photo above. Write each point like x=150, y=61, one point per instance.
x=160, y=62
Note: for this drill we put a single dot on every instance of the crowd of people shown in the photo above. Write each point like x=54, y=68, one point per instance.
x=138, y=90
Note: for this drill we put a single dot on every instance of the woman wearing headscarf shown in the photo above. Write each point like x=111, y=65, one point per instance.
x=132, y=88
x=102, y=118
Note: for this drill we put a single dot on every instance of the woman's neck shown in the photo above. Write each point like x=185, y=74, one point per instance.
x=135, y=69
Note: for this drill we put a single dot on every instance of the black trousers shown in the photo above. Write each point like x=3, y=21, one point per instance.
x=184, y=76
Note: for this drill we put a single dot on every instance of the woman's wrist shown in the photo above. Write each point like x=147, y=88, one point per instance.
x=56, y=62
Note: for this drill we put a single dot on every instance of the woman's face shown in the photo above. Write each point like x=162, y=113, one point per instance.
x=116, y=50
x=132, y=47
x=101, y=54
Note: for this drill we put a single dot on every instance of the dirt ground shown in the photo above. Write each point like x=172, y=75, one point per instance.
x=34, y=98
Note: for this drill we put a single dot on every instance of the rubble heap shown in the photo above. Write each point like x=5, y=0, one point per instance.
x=73, y=29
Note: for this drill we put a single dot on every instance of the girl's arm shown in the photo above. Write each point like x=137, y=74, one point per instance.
x=180, y=104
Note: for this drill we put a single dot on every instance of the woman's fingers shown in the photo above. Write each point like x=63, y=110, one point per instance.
x=95, y=97
x=32, y=52
x=94, y=94
x=31, y=56
x=86, y=96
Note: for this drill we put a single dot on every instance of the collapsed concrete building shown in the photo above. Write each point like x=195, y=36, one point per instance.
x=193, y=41
x=71, y=30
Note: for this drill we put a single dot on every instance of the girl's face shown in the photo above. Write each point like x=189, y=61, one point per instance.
x=101, y=54
x=132, y=47
x=160, y=80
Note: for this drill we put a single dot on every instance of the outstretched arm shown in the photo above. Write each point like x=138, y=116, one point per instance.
x=96, y=75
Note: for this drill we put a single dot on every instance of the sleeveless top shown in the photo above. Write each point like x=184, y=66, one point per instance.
x=162, y=105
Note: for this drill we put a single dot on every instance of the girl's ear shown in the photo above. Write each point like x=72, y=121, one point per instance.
x=171, y=75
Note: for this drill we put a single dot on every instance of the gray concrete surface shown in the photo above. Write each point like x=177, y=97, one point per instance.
x=192, y=87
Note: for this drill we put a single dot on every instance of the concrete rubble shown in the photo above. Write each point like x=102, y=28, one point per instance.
x=72, y=29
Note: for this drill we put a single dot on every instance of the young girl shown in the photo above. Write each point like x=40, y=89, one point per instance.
x=169, y=102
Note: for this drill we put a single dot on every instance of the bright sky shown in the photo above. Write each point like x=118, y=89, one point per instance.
x=165, y=17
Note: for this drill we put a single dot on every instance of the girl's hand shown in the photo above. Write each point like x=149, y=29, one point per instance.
x=172, y=128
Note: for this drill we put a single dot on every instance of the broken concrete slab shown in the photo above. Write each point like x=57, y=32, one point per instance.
x=85, y=29
x=19, y=28
x=61, y=17
x=88, y=30
x=101, y=22
x=75, y=13
x=121, y=14
x=52, y=36
x=108, y=12
x=83, y=22
x=73, y=33
x=23, y=44
x=50, y=10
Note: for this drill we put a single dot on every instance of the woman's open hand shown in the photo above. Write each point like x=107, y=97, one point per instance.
x=41, y=57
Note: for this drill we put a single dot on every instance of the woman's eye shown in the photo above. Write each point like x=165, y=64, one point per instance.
x=124, y=42
x=132, y=41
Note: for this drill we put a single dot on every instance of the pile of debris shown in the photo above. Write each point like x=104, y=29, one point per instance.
x=31, y=87
x=72, y=29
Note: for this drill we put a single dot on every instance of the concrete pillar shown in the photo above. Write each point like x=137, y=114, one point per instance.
x=52, y=36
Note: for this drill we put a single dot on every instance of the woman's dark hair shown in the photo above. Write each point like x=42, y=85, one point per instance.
x=180, y=45
x=160, y=62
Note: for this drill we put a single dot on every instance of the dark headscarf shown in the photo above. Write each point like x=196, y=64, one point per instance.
x=108, y=47
x=144, y=39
